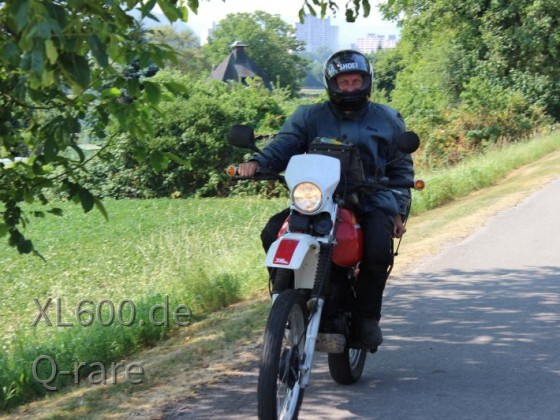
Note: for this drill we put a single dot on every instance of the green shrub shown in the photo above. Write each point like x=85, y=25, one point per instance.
x=192, y=127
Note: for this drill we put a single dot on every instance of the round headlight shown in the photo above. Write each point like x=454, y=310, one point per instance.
x=307, y=197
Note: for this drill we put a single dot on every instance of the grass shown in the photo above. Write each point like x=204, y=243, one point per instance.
x=204, y=254
x=480, y=171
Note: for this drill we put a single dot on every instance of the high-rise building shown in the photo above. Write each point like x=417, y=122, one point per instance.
x=372, y=43
x=317, y=33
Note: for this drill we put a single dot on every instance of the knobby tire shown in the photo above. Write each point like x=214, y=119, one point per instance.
x=283, y=345
x=346, y=368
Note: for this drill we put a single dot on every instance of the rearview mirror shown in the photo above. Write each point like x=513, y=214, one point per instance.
x=408, y=142
x=242, y=136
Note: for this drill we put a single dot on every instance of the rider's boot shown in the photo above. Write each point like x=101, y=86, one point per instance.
x=370, y=332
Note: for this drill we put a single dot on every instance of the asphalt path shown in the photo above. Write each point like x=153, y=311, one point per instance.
x=472, y=333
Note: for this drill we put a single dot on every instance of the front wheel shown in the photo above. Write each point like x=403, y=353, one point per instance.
x=346, y=368
x=278, y=391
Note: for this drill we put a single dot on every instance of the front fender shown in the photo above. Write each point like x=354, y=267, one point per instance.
x=290, y=250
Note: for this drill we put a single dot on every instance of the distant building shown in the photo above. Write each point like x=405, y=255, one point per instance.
x=372, y=43
x=317, y=33
x=238, y=67
x=212, y=29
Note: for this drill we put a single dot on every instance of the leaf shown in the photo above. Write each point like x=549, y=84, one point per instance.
x=98, y=50
x=350, y=16
x=76, y=69
x=50, y=149
x=312, y=11
x=10, y=53
x=121, y=114
x=48, y=78
x=367, y=7
x=86, y=199
x=153, y=92
x=37, y=62
x=184, y=13
x=171, y=12
x=147, y=8
x=99, y=205
x=172, y=156
x=193, y=5
x=40, y=30
x=133, y=87
x=79, y=151
x=22, y=14
x=323, y=10
x=176, y=87
x=112, y=93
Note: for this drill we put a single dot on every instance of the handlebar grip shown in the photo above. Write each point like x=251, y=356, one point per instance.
x=417, y=184
x=402, y=184
x=232, y=172
x=384, y=183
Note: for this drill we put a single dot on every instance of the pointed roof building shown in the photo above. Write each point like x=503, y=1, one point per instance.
x=238, y=67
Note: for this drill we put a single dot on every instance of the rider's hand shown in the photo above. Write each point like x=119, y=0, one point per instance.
x=248, y=168
x=399, y=229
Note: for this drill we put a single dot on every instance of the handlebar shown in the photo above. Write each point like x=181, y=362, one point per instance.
x=260, y=175
x=384, y=183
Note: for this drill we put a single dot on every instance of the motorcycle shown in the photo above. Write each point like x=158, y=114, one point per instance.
x=313, y=267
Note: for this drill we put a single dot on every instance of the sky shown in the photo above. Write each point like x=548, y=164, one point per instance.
x=210, y=11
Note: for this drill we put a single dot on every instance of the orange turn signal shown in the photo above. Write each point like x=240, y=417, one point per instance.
x=231, y=170
x=419, y=184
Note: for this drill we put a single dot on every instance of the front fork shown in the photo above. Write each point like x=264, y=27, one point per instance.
x=310, y=340
x=315, y=306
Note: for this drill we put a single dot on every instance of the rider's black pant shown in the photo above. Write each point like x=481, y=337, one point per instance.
x=377, y=229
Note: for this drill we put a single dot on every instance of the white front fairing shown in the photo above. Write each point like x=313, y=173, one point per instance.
x=323, y=171
x=300, y=251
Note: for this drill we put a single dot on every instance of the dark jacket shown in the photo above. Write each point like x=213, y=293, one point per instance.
x=373, y=129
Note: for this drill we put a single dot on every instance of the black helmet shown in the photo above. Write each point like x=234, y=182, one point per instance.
x=347, y=61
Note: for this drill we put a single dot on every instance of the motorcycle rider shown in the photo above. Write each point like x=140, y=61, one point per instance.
x=351, y=117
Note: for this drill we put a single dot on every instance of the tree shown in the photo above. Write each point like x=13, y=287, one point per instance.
x=64, y=63
x=386, y=64
x=271, y=44
x=314, y=72
x=512, y=43
x=190, y=58
x=475, y=72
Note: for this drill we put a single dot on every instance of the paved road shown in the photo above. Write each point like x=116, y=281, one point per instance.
x=473, y=333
